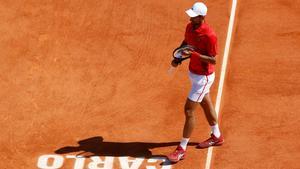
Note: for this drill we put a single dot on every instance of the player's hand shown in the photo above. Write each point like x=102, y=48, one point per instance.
x=186, y=53
x=175, y=63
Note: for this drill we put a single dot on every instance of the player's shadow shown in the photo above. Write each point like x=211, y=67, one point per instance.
x=96, y=146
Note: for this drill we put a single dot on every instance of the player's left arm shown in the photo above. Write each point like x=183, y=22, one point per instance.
x=208, y=59
x=211, y=51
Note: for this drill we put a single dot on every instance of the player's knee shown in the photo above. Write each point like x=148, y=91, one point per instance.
x=189, y=113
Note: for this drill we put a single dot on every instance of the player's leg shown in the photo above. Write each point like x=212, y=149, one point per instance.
x=211, y=116
x=209, y=110
x=189, y=125
x=199, y=82
x=189, y=110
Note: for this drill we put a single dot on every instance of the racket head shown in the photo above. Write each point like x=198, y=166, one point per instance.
x=178, y=52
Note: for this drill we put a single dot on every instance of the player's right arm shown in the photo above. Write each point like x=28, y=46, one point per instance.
x=211, y=51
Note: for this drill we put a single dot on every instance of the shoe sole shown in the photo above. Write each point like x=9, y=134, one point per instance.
x=175, y=161
x=217, y=144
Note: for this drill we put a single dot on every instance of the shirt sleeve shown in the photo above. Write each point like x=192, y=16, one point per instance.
x=186, y=32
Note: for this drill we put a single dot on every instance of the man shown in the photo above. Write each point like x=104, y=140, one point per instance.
x=201, y=72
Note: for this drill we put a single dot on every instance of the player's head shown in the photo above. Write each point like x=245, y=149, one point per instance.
x=197, y=12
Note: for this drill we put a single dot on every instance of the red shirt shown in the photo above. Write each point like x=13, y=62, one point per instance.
x=204, y=39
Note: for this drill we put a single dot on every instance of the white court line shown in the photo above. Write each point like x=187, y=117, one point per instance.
x=223, y=71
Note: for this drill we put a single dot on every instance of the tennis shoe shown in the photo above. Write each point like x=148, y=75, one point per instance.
x=212, y=141
x=177, y=155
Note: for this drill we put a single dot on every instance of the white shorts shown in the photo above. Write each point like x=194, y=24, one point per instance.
x=200, y=86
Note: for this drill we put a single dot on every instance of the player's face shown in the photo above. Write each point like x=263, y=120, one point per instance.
x=196, y=20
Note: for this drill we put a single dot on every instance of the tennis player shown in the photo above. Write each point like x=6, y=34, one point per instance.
x=201, y=72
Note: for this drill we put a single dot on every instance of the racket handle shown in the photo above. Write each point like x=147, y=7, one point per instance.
x=171, y=70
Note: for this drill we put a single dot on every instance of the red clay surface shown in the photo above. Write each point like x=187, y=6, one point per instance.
x=260, y=115
x=97, y=70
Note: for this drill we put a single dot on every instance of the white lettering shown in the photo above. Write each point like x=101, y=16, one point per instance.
x=79, y=161
x=135, y=163
x=96, y=162
x=44, y=160
x=106, y=164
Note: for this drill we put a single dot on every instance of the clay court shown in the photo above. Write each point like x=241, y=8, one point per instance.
x=84, y=85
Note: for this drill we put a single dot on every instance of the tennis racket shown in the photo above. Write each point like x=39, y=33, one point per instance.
x=180, y=54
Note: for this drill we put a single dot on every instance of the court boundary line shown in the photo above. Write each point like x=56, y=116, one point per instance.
x=223, y=72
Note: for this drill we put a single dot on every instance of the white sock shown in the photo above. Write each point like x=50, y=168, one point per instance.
x=215, y=130
x=184, y=142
